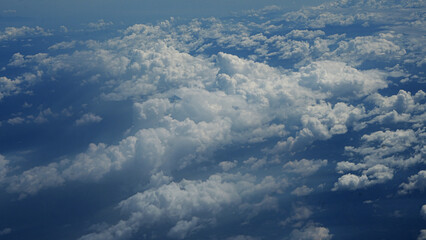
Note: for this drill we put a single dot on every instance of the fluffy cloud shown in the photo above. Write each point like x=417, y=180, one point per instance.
x=11, y=33
x=311, y=233
x=185, y=203
x=31, y=181
x=9, y=87
x=423, y=211
x=415, y=182
x=388, y=148
x=341, y=80
x=5, y=231
x=371, y=176
x=3, y=168
x=422, y=235
x=302, y=191
x=87, y=119
x=304, y=167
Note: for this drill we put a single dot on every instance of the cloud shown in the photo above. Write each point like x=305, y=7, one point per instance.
x=31, y=181
x=87, y=119
x=5, y=231
x=100, y=24
x=299, y=215
x=183, y=228
x=8, y=87
x=186, y=203
x=341, y=80
x=422, y=235
x=415, y=182
x=227, y=165
x=371, y=176
x=423, y=211
x=63, y=45
x=243, y=237
x=304, y=167
x=389, y=148
x=12, y=33
x=15, y=121
x=302, y=191
x=4, y=169
x=311, y=233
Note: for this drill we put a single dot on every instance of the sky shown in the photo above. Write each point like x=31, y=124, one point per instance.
x=235, y=120
x=51, y=13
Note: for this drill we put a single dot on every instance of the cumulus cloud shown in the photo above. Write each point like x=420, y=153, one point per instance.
x=415, y=182
x=371, y=176
x=299, y=215
x=274, y=96
x=422, y=235
x=341, y=80
x=3, y=168
x=389, y=148
x=185, y=202
x=304, y=167
x=15, y=120
x=243, y=237
x=5, y=231
x=100, y=24
x=311, y=233
x=11, y=33
x=423, y=211
x=227, y=165
x=9, y=87
x=302, y=191
x=31, y=181
x=87, y=119
x=63, y=45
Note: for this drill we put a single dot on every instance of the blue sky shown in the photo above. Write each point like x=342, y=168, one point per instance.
x=236, y=120
x=51, y=13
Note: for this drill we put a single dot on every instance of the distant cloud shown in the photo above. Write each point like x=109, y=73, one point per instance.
x=16, y=121
x=100, y=24
x=302, y=191
x=5, y=231
x=7, y=11
x=311, y=233
x=415, y=182
x=11, y=33
x=88, y=118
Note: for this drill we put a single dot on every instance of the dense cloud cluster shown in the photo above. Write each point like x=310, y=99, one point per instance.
x=232, y=121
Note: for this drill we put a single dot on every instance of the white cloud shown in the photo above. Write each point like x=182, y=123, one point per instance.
x=183, y=228
x=8, y=87
x=388, y=148
x=31, y=181
x=415, y=182
x=302, y=191
x=186, y=203
x=4, y=169
x=5, y=231
x=87, y=119
x=371, y=176
x=422, y=235
x=63, y=45
x=340, y=80
x=311, y=233
x=306, y=34
x=100, y=24
x=304, y=167
x=300, y=214
x=243, y=237
x=11, y=33
x=15, y=121
x=423, y=211
x=227, y=165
